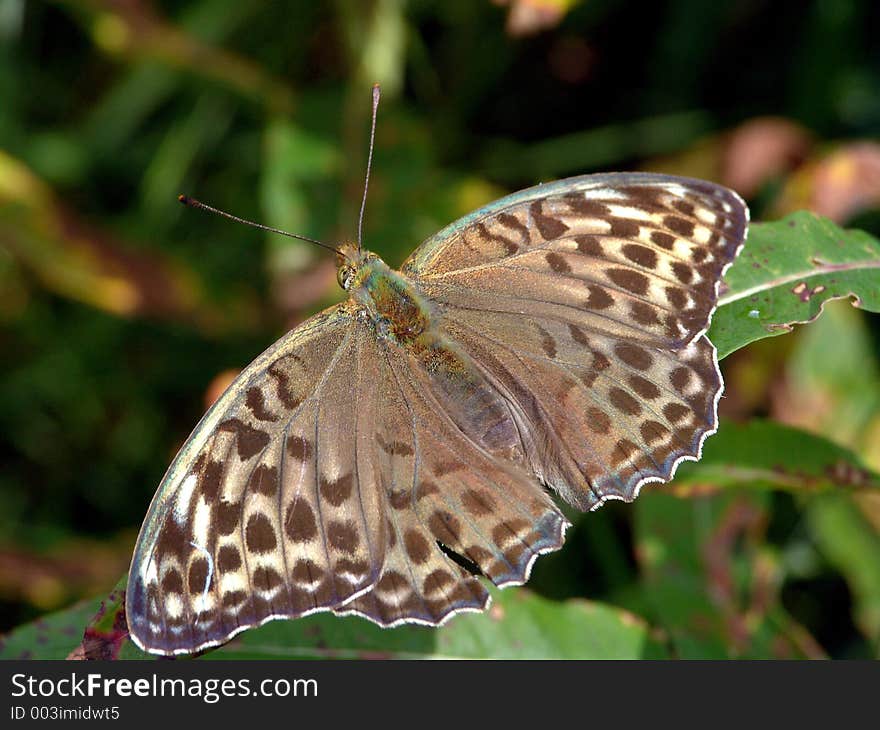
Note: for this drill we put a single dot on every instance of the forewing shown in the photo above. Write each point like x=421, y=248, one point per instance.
x=585, y=302
x=264, y=513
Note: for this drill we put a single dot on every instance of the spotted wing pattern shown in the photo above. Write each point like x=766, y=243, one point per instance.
x=254, y=518
x=326, y=479
x=585, y=302
x=442, y=487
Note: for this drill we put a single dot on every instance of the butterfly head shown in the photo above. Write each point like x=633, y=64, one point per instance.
x=350, y=261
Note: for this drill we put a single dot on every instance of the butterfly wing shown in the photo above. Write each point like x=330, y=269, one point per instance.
x=585, y=303
x=262, y=514
x=441, y=488
x=323, y=479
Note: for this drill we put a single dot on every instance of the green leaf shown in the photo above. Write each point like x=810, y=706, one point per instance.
x=52, y=637
x=711, y=579
x=769, y=455
x=852, y=545
x=787, y=271
x=833, y=367
x=519, y=625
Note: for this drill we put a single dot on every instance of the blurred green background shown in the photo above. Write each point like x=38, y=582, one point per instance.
x=122, y=314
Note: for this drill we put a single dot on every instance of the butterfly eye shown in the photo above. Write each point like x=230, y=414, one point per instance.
x=344, y=276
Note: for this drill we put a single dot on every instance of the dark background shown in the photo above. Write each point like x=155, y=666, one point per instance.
x=123, y=314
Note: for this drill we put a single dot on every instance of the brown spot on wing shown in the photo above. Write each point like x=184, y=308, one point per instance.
x=264, y=480
x=676, y=297
x=698, y=255
x=634, y=356
x=437, y=582
x=266, y=578
x=282, y=384
x=589, y=246
x=259, y=535
x=445, y=527
x=343, y=536
x=644, y=313
x=632, y=281
x=256, y=403
x=600, y=362
x=645, y=197
x=676, y=412
x=233, y=599
x=172, y=582
x=307, y=571
x=447, y=467
x=198, y=574
x=172, y=539
x=679, y=378
x=299, y=448
x=249, y=440
x=228, y=517
x=510, y=246
x=548, y=344
x=400, y=499
x=652, y=431
x=681, y=226
x=683, y=272
x=417, y=546
x=508, y=531
x=589, y=377
x=300, y=524
x=682, y=206
x=427, y=488
x=623, y=450
x=478, y=502
x=645, y=388
x=624, y=402
x=578, y=335
x=557, y=262
x=210, y=479
x=354, y=567
x=549, y=227
x=511, y=221
x=336, y=491
x=641, y=255
x=599, y=298
x=228, y=558
x=664, y=240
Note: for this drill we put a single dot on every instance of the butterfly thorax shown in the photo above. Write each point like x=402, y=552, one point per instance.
x=386, y=297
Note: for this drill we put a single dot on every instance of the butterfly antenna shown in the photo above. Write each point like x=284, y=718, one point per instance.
x=193, y=203
x=376, y=94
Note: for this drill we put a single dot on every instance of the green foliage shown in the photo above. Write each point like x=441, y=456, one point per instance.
x=763, y=454
x=118, y=307
x=55, y=636
x=788, y=271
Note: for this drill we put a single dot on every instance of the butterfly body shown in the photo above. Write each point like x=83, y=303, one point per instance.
x=390, y=301
x=404, y=318
x=554, y=338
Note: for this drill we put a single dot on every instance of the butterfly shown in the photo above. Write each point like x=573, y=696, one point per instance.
x=388, y=453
